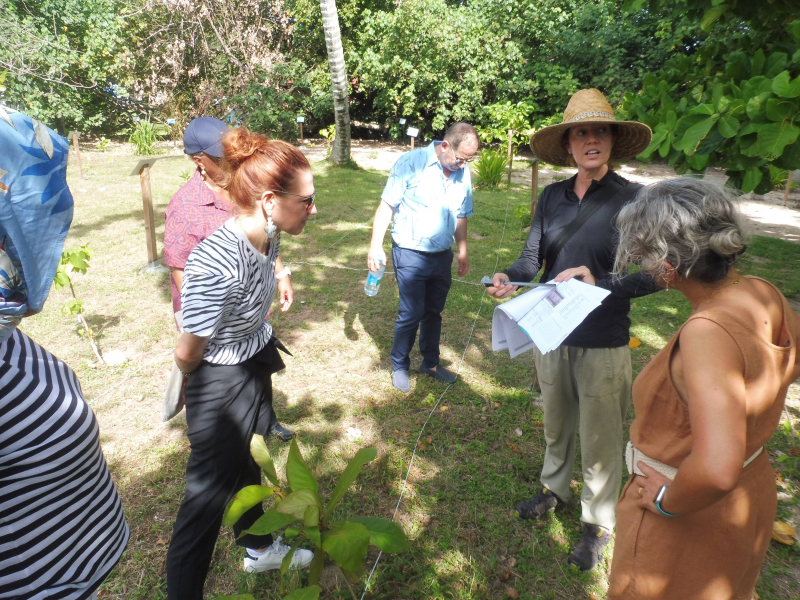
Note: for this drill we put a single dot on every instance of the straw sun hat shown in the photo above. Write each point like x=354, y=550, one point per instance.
x=589, y=106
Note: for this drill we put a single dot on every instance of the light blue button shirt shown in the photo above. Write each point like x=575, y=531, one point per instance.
x=426, y=203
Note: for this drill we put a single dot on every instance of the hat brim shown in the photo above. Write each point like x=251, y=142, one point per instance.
x=632, y=139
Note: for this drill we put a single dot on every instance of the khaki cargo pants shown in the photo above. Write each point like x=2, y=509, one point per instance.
x=591, y=386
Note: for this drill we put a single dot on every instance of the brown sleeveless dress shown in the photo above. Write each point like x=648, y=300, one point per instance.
x=715, y=553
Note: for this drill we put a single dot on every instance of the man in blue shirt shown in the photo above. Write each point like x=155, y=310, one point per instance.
x=429, y=193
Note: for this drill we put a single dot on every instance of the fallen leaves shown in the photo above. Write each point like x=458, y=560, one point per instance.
x=444, y=408
x=634, y=342
x=783, y=533
x=517, y=432
x=514, y=447
x=512, y=593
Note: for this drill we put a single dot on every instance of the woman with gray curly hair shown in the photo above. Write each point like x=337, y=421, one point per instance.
x=695, y=519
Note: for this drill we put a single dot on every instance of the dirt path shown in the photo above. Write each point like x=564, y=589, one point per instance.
x=766, y=214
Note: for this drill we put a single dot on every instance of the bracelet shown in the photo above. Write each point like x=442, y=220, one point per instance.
x=184, y=373
x=283, y=273
x=660, y=498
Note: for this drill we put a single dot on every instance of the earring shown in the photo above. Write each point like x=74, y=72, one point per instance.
x=202, y=173
x=270, y=229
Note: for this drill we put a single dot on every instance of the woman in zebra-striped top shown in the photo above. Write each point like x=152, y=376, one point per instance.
x=61, y=524
x=228, y=353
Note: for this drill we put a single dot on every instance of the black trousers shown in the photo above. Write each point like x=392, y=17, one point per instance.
x=225, y=406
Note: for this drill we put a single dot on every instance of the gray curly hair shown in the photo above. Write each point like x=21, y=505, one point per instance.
x=691, y=224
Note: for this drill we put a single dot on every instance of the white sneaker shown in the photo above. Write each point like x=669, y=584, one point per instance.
x=273, y=557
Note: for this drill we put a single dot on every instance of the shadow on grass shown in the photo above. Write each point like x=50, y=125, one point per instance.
x=81, y=229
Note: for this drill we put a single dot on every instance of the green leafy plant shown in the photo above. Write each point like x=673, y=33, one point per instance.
x=75, y=260
x=490, y=167
x=102, y=144
x=524, y=216
x=779, y=177
x=343, y=541
x=734, y=103
x=496, y=119
x=328, y=134
x=144, y=137
x=186, y=174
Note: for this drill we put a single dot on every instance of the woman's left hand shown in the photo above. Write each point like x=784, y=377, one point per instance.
x=647, y=487
x=582, y=273
x=285, y=293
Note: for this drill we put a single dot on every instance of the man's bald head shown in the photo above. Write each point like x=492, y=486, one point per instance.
x=459, y=132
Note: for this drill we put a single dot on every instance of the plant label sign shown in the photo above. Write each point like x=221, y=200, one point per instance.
x=301, y=119
x=170, y=122
x=412, y=132
x=402, y=121
x=135, y=118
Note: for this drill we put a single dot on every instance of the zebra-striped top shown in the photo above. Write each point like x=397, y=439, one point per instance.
x=227, y=290
x=61, y=524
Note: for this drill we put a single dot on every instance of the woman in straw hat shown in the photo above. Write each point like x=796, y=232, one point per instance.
x=589, y=375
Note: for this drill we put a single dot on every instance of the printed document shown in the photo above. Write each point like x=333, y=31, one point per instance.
x=543, y=317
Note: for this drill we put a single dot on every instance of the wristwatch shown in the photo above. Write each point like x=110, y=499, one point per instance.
x=660, y=498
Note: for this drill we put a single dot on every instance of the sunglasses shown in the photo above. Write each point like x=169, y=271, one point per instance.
x=307, y=200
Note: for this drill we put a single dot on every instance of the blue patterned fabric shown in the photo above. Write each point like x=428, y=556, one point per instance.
x=35, y=213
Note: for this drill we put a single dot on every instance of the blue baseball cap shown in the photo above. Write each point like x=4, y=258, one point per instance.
x=204, y=134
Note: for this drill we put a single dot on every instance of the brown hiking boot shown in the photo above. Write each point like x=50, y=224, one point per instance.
x=588, y=552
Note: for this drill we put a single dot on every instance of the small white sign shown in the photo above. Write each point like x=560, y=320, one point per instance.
x=301, y=119
x=412, y=132
x=402, y=121
x=135, y=118
x=170, y=121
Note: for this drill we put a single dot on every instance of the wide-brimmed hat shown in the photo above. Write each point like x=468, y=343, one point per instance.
x=589, y=106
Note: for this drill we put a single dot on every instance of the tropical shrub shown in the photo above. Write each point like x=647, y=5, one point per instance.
x=490, y=167
x=733, y=103
x=144, y=137
x=343, y=541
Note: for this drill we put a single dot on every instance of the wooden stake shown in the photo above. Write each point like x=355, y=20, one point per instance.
x=412, y=143
x=788, y=188
x=74, y=135
x=149, y=219
x=510, y=154
x=301, y=133
x=534, y=185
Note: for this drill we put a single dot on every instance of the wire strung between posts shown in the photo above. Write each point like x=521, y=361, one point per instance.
x=324, y=266
x=449, y=385
x=94, y=400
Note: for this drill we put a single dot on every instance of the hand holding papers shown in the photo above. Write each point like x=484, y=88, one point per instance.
x=543, y=317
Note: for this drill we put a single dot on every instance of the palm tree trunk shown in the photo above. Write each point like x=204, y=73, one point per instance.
x=340, y=153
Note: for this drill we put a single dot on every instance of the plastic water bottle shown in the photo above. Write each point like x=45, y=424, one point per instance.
x=374, y=280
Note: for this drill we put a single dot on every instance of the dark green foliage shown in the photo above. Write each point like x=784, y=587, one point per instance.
x=732, y=101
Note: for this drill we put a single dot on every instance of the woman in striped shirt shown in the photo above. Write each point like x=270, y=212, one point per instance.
x=228, y=353
x=61, y=524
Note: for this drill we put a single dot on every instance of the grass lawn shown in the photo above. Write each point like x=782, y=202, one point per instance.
x=336, y=393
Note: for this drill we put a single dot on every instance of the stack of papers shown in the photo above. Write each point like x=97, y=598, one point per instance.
x=543, y=317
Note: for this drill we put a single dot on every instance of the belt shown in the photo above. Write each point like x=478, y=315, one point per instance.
x=633, y=455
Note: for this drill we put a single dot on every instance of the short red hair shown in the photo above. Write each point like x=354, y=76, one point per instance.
x=257, y=164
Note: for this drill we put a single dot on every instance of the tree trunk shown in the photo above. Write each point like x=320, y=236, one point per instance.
x=340, y=153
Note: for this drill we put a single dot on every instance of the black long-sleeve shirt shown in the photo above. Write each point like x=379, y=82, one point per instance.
x=594, y=245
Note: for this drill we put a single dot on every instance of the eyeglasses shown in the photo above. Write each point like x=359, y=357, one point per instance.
x=307, y=200
x=461, y=160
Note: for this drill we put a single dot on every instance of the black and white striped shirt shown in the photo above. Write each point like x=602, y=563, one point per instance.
x=228, y=287
x=61, y=524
